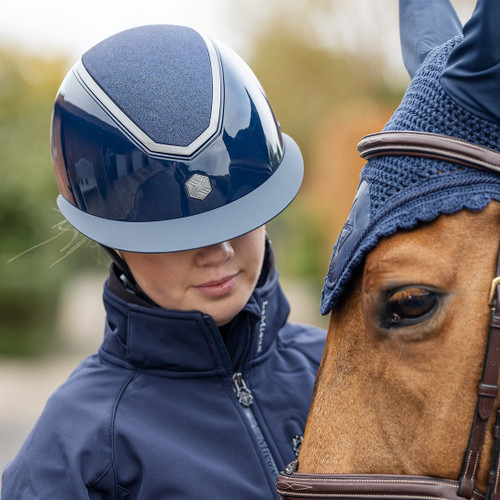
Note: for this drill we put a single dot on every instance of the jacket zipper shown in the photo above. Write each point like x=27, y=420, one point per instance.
x=245, y=398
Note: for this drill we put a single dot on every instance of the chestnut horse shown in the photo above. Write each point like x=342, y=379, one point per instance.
x=406, y=395
x=397, y=387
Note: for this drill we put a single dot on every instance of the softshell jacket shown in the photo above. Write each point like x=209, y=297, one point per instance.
x=169, y=409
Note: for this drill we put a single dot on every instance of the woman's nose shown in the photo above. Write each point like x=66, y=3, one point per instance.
x=215, y=255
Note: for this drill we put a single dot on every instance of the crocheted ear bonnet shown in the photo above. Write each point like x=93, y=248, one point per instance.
x=446, y=96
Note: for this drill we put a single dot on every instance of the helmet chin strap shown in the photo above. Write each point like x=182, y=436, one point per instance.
x=126, y=277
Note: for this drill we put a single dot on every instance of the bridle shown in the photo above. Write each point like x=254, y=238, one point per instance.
x=294, y=485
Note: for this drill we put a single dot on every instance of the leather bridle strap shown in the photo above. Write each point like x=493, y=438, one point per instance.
x=494, y=473
x=487, y=392
x=429, y=145
x=299, y=486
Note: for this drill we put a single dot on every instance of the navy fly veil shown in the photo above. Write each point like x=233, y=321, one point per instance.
x=447, y=97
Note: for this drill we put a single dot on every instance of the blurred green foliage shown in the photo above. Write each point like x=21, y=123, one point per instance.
x=29, y=286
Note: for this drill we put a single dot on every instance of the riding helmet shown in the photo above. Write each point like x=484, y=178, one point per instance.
x=163, y=140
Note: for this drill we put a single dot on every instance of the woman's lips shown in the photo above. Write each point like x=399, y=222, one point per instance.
x=218, y=288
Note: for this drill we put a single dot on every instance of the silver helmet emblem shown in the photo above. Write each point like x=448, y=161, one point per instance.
x=198, y=186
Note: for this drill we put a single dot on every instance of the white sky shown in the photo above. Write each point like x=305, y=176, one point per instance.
x=70, y=27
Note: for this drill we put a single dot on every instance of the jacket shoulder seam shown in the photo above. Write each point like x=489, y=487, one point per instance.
x=112, y=463
x=112, y=428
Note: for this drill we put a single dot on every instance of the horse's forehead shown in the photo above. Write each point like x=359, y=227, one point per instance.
x=437, y=250
x=429, y=251
x=411, y=252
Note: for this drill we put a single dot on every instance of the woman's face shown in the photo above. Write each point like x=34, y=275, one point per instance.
x=216, y=280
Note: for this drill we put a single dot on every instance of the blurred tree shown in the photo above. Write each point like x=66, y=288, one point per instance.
x=335, y=165
x=28, y=284
x=326, y=100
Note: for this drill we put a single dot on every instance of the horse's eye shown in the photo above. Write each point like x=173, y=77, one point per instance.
x=409, y=306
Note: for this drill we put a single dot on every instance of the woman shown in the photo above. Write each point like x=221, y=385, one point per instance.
x=167, y=153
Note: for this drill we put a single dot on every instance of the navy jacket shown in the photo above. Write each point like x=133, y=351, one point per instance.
x=169, y=409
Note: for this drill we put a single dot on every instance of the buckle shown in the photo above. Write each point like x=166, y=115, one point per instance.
x=493, y=290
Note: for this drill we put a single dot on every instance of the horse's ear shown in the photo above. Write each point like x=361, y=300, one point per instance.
x=423, y=25
x=472, y=73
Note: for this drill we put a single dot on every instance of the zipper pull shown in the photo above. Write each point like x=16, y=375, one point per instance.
x=243, y=393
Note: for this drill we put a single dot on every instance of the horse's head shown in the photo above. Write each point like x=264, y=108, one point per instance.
x=398, y=383
x=410, y=277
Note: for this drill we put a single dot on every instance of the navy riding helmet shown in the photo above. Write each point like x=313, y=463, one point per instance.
x=163, y=140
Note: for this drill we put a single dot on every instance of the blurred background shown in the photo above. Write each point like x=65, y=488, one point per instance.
x=333, y=72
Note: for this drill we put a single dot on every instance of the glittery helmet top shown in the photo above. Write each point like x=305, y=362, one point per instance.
x=454, y=92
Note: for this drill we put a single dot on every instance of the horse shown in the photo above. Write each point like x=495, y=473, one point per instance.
x=407, y=389
x=402, y=399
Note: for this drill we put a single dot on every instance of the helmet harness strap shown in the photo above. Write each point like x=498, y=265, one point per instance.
x=126, y=277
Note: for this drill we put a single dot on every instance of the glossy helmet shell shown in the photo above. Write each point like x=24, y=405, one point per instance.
x=163, y=140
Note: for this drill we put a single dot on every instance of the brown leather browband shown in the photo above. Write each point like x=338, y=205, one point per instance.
x=429, y=145
x=294, y=485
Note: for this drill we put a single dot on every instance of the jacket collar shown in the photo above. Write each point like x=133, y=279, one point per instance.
x=189, y=342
